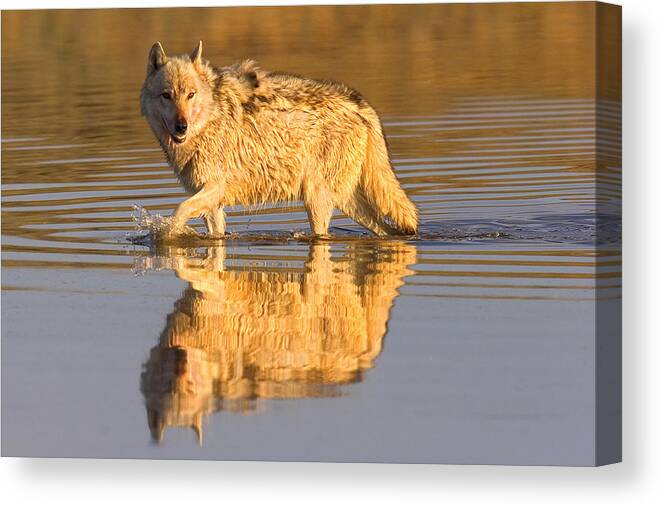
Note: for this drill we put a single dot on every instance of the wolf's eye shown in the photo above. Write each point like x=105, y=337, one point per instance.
x=191, y=95
x=166, y=95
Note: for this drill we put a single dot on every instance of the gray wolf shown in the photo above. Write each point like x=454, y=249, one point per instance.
x=242, y=135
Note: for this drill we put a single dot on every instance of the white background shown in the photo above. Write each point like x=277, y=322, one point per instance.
x=636, y=481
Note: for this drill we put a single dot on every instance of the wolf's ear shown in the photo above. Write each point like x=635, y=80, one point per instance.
x=197, y=427
x=156, y=58
x=156, y=425
x=196, y=55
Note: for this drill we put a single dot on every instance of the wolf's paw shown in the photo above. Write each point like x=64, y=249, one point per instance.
x=168, y=227
x=215, y=236
x=160, y=228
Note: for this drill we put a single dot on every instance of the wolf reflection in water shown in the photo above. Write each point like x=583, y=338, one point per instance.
x=242, y=334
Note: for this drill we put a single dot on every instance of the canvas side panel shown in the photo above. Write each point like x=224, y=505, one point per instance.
x=608, y=346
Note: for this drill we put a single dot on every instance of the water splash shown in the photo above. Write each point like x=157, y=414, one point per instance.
x=152, y=228
x=154, y=231
x=158, y=232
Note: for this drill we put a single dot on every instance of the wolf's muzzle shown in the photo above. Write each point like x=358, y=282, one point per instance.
x=180, y=127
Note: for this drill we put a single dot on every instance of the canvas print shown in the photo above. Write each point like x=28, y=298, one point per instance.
x=368, y=233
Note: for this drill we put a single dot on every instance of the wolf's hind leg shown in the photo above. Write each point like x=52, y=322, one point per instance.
x=319, y=206
x=359, y=209
x=215, y=222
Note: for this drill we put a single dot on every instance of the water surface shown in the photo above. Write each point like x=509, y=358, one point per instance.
x=471, y=343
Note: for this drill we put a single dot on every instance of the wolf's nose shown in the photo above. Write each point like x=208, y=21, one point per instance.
x=181, y=126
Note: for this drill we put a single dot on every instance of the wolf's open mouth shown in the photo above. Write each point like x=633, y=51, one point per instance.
x=177, y=139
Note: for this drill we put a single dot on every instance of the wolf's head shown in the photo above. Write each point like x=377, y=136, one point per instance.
x=177, y=95
x=178, y=386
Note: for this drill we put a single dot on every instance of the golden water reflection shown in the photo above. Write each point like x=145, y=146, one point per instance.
x=240, y=334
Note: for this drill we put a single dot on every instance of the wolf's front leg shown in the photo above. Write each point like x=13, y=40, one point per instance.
x=215, y=222
x=207, y=200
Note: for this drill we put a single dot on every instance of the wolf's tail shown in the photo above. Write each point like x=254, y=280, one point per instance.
x=379, y=184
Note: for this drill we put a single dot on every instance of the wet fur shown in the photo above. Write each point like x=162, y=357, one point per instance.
x=257, y=137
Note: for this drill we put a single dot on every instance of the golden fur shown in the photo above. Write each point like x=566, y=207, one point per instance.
x=255, y=137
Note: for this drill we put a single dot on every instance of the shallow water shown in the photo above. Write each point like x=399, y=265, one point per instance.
x=472, y=342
